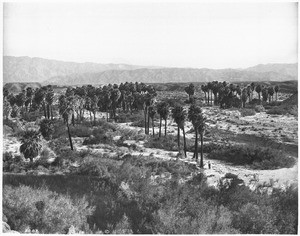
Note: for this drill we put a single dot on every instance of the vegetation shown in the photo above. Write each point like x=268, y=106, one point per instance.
x=257, y=157
x=111, y=191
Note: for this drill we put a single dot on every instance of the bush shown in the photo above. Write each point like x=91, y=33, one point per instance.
x=41, y=209
x=259, y=108
x=247, y=112
x=257, y=157
x=80, y=131
x=99, y=136
x=95, y=166
x=128, y=117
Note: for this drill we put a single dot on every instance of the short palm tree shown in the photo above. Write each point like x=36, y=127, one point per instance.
x=30, y=144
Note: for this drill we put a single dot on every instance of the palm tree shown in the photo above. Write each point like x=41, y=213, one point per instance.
x=205, y=90
x=276, y=91
x=163, y=111
x=190, y=90
x=265, y=94
x=201, y=126
x=30, y=144
x=244, y=97
x=47, y=128
x=66, y=109
x=252, y=86
x=29, y=95
x=258, y=89
x=271, y=93
x=179, y=115
x=249, y=92
x=152, y=113
x=49, y=100
x=114, y=96
x=192, y=116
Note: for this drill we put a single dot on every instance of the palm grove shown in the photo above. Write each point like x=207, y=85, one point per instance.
x=86, y=101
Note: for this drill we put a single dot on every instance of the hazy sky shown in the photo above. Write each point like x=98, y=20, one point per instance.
x=176, y=34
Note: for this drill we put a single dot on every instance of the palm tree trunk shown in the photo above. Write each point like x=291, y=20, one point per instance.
x=145, y=119
x=178, y=139
x=51, y=110
x=208, y=97
x=160, y=120
x=165, y=127
x=44, y=107
x=70, y=138
x=94, y=118
x=48, y=111
x=73, y=119
x=148, y=125
x=184, y=142
x=211, y=100
x=153, y=126
x=205, y=97
x=196, y=146
x=201, y=161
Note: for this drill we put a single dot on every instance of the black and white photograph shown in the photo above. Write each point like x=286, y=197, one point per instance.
x=149, y=117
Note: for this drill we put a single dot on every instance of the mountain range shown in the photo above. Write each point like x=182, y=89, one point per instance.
x=45, y=71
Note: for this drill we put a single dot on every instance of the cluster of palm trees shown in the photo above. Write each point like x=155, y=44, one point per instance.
x=228, y=95
x=29, y=100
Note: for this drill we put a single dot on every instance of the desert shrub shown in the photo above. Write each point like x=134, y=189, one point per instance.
x=259, y=108
x=138, y=123
x=95, y=166
x=257, y=157
x=80, y=131
x=128, y=117
x=100, y=123
x=131, y=134
x=274, y=103
x=99, y=136
x=255, y=101
x=44, y=210
x=247, y=112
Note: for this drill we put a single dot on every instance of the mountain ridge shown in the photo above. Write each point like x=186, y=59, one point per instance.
x=46, y=71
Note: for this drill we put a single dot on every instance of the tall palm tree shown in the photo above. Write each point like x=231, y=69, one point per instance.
x=244, y=97
x=49, y=100
x=163, y=111
x=258, y=90
x=265, y=94
x=252, y=85
x=205, y=90
x=30, y=144
x=201, y=126
x=276, y=88
x=179, y=115
x=152, y=113
x=271, y=93
x=192, y=116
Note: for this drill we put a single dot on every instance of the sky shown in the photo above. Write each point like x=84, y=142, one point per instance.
x=154, y=33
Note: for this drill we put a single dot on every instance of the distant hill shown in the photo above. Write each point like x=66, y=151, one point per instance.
x=25, y=69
